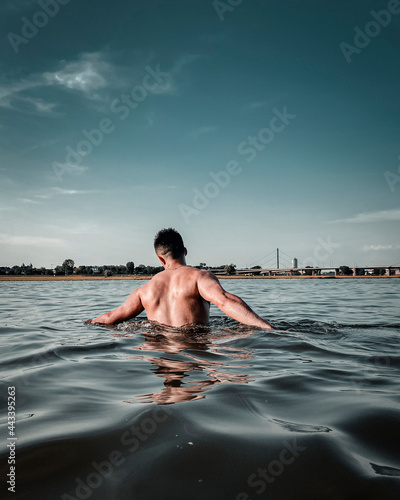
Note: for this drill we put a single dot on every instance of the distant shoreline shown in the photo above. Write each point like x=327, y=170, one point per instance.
x=143, y=277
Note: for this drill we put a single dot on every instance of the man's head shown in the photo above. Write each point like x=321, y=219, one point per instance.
x=168, y=243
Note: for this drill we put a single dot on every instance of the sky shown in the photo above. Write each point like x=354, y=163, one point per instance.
x=246, y=125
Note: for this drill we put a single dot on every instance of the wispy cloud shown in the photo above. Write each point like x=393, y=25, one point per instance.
x=150, y=120
x=365, y=217
x=44, y=144
x=27, y=200
x=170, y=83
x=32, y=241
x=376, y=248
x=88, y=74
x=202, y=131
x=91, y=75
x=66, y=227
x=62, y=168
x=10, y=91
x=38, y=105
x=58, y=190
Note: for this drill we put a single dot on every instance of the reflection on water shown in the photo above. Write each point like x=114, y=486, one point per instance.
x=199, y=360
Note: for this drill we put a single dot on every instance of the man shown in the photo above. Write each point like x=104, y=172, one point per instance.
x=180, y=295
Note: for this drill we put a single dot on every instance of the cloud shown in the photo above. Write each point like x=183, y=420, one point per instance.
x=375, y=248
x=378, y=216
x=150, y=120
x=92, y=76
x=36, y=105
x=42, y=196
x=68, y=227
x=40, y=105
x=51, y=193
x=86, y=75
x=202, y=131
x=8, y=92
x=12, y=97
x=62, y=168
x=169, y=84
x=32, y=241
x=44, y=144
x=27, y=200
x=58, y=190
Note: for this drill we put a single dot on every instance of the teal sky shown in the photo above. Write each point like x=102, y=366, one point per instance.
x=201, y=81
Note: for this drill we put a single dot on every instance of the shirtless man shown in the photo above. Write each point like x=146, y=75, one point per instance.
x=180, y=295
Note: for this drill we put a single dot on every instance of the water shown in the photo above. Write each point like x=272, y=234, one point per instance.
x=140, y=412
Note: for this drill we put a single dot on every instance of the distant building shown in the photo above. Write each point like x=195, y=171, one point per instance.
x=295, y=264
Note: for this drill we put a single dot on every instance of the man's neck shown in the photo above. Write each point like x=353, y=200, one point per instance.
x=175, y=264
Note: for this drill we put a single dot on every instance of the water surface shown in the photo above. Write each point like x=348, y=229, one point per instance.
x=139, y=411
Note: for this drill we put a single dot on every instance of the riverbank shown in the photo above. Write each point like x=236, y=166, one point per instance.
x=142, y=277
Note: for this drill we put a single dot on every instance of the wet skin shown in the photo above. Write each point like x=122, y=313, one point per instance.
x=181, y=295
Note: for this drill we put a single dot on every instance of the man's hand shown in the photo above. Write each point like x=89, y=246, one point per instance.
x=129, y=309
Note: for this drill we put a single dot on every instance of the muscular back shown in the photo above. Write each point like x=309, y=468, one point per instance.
x=172, y=297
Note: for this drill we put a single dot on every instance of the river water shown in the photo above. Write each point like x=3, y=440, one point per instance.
x=143, y=412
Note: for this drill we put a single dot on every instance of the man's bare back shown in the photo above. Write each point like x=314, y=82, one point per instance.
x=172, y=297
x=181, y=295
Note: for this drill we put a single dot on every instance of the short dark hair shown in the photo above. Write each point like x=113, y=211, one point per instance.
x=169, y=242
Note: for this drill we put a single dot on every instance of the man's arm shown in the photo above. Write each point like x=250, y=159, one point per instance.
x=211, y=290
x=129, y=309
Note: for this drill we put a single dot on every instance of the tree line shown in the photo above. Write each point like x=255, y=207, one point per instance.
x=68, y=267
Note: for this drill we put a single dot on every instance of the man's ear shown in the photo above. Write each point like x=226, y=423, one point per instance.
x=162, y=260
x=185, y=251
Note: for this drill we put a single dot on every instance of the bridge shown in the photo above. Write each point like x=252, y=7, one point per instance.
x=315, y=271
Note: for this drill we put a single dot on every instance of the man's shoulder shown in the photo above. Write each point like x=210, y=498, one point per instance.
x=205, y=276
x=199, y=272
x=157, y=277
x=154, y=283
